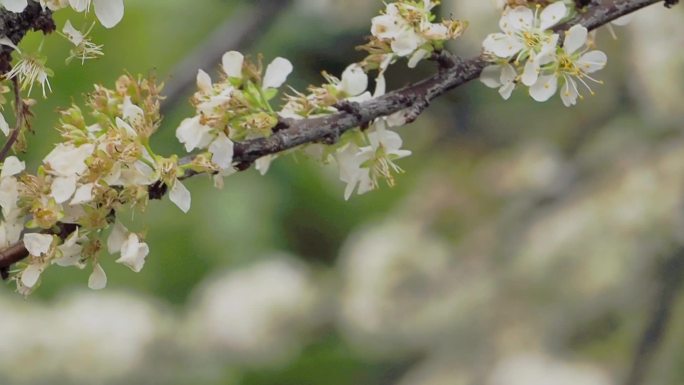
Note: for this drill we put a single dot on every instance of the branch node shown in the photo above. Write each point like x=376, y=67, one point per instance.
x=157, y=190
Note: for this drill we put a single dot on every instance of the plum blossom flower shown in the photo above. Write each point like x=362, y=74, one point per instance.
x=69, y=252
x=571, y=66
x=38, y=245
x=195, y=135
x=354, y=83
x=501, y=76
x=31, y=69
x=361, y=167
x=410, y=32
x=133, y=252
x=526, y=37
x=84, y=49
x=67, y=163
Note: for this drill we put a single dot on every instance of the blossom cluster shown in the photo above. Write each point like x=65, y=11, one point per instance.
x=99, y=170
x=406, y=29
x=527, y=52
x=239, y=105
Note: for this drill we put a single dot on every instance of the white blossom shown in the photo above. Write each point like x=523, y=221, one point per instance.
x=571, y=65
x=276, y=73
x=37, y=244
x=180, y=196
x=98, y=278
x=193, y=134
x=501, y=76
x=133, y=253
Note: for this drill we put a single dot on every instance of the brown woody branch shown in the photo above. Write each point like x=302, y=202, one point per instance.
x=412, y=99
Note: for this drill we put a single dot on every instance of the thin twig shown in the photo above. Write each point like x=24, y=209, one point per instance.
x=669, y=282
x=20, y=112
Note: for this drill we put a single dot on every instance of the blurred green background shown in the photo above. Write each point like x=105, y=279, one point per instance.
x=525, y=243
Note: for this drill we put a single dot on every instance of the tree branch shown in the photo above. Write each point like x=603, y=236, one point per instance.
x=413, y=99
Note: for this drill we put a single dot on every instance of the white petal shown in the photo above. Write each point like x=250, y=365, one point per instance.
x=71, y=252
x=263, y=164
x=116, y=238
x=9, y=192
x=276, y=73
x=530, y=73
x=491, y=76
x=63, y=188
x=204, y=82
x=6, y=41
x=109, y=12
x=67, y=160
x=83, y=194
x=407, y=42
x=380, y=85
x=132, y=113
x=4, y=127
x=180, y=195
x=520, y=18
x=133, y=253
x=592, y=61
x=575, y=38
x=544, y=88
x=501, y=45
x=11, y=167
x=98, y=278
x=232, y=64
x=547, y=53
x=75, y=36
x=121, y=124
x=386, y=26
x=508, y=74
x=79, y=5
x=15, y=5
x=37, y=244
x=222, y=151
x=552, y=15
x=417, y=57
x=193, y=134
x=354, y=80
x=30, y=276
x=506, y=90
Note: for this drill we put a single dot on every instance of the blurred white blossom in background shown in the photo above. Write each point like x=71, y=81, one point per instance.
x=404, y=289
x=85, y=338
x=255, y=315
x=532, y=369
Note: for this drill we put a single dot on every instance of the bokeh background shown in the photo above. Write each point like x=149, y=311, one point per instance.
x=525, y=244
